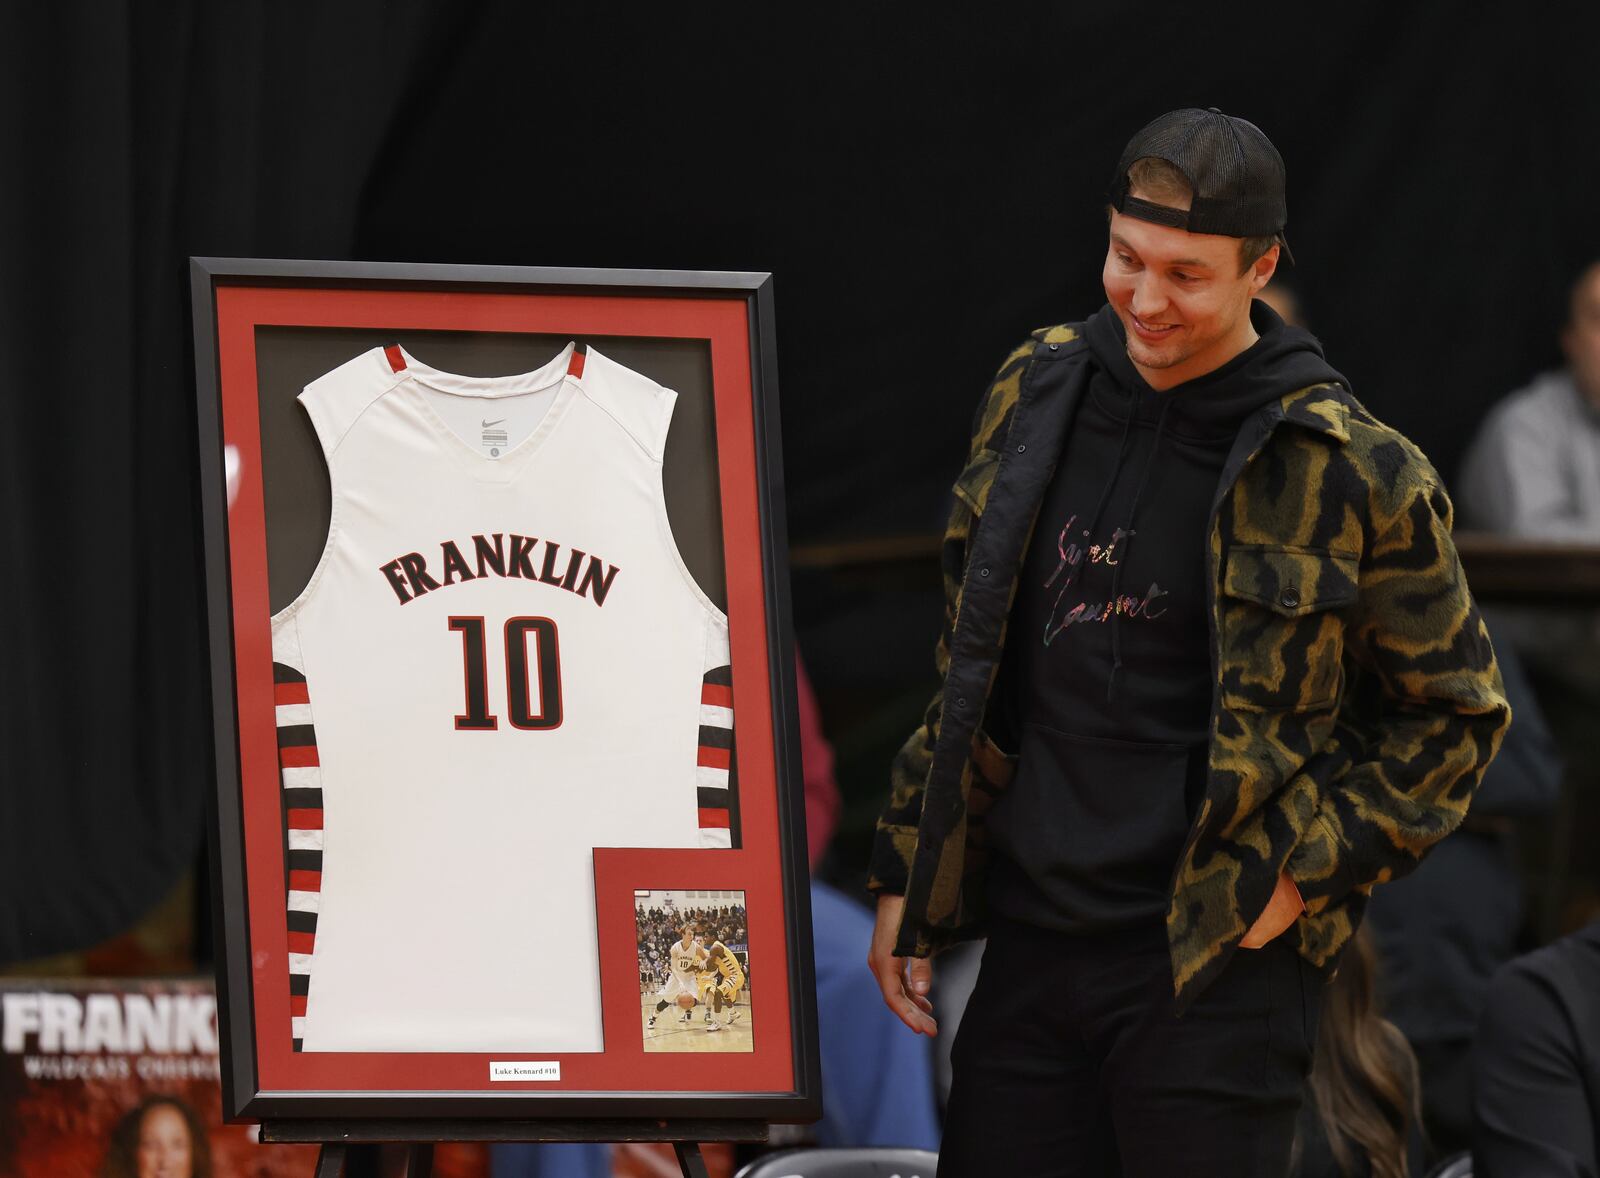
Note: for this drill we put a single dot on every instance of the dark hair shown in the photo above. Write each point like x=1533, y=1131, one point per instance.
x=122, y=1155
x=1162, y=182
x=1364, y=1078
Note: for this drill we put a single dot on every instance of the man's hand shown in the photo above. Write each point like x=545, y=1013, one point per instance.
x=904, y=980
x=1281, y=911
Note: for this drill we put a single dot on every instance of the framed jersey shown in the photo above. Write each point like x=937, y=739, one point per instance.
x=500, y=644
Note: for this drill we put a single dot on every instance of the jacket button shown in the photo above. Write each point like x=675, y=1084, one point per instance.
x=1022, y=449
x=1055, y=347
x=961, y=702
x=983, y=572
x=1290, y=598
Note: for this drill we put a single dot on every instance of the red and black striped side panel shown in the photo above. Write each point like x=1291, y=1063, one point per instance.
x=301, y=773
x=716, y=774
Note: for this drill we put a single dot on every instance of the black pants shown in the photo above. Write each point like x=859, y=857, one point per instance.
x=1070, y=1062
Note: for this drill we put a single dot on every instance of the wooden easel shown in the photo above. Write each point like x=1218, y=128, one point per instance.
x=350, y=1149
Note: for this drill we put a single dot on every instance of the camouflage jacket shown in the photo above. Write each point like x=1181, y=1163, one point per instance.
x=1355, y=704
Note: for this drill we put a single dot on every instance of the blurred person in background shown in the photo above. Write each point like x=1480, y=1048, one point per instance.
x=1533, y=473
x=1536, y=1065
x=877, y=1084
x=1364, y=1117
x=1533, y=470
x=1187, y=721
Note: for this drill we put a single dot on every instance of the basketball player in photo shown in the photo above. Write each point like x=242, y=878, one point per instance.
x=721, y=978
x=685, y=958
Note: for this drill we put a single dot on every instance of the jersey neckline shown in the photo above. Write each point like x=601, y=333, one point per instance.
x=504, y=469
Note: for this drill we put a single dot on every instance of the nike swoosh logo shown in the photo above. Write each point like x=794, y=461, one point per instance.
x=487, y=424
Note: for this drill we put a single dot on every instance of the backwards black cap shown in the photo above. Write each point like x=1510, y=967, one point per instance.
x=1236, y=174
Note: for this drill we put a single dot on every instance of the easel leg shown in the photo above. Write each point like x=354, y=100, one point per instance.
x=330, y=1160
x=419, y=1161
x=340, y=1159
x=689, y=1159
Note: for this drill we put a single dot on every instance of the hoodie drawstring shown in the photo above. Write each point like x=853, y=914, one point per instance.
x=1075, y=573
x=1127, y=531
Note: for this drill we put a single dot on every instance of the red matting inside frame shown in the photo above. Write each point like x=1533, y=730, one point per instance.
x=624, y=1065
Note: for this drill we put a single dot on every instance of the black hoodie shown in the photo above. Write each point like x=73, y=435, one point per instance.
x=1107, y=671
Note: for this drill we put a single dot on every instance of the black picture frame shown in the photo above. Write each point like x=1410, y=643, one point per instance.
x=470, y=1112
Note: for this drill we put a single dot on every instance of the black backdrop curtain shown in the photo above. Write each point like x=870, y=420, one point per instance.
x=926, y=189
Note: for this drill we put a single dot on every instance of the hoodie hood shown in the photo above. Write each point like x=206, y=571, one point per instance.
x=1283, y=360
x=1207, y=410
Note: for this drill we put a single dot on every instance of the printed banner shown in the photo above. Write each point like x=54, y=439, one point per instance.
x=106, y=1078
x=120, y=1079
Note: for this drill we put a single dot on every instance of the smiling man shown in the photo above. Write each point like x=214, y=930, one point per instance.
x=1211, y=672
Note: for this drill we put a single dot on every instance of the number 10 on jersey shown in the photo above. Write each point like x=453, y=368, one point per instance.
x=521, y=634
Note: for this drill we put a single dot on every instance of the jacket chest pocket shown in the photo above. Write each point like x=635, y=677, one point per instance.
x=1283, y=625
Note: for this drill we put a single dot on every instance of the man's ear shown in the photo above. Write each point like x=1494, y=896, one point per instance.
x=1266, y=266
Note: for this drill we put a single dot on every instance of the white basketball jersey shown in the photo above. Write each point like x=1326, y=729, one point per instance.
x=499, y=664
x=683, y=960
